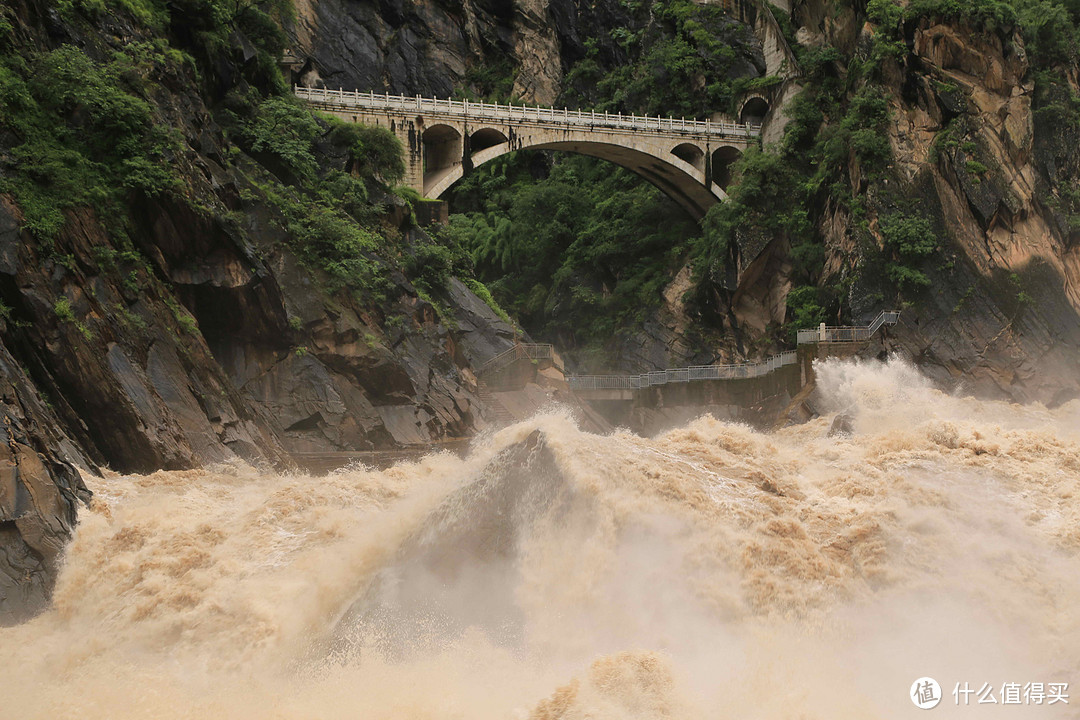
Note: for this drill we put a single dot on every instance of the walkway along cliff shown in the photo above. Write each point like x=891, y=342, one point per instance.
x=764, y=393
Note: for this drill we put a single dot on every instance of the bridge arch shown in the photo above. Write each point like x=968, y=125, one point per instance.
x=446, y=138
x=679, y=178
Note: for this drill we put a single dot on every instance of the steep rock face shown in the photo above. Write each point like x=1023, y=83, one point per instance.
x=237, y=377
x=1005, y=318
x=429, y=47
x=197, y=335
x=39, y=492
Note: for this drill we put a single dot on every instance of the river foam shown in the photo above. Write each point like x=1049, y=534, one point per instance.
x=711, y=572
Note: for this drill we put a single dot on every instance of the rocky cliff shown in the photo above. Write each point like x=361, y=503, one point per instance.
x=189, y=327
x=978, y=149
x=223, y=297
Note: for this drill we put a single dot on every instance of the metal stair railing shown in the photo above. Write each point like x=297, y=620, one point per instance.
x=732, y=371
x=847, y=333
x=491, y=111
x=521, y=351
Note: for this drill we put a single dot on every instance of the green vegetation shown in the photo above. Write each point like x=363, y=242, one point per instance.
x=679, y=59
x=1056, y=114
x=975, y=168
x=575, y=248
x=1049, y=27
x=281, y=126
x=983, y=14
x=325, y=236
x=85, y=132
x=374, y=152
x=912, y=238
x=837, y=123
x=481, y=291
x=183, y=318
x=94, y=126
x=431, y=262
x=579, y=255
x=1023, y=297
x=64, y=312
x=493, y=82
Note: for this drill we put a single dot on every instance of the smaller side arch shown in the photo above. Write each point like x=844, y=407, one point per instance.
x=442, y=147
x=485, y=138
x=722, y=160
x=690, y=153
x=443, y=150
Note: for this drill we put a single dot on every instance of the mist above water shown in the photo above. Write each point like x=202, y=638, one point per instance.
x=711, y=572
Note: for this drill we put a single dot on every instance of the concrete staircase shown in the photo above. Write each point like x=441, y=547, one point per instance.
x=493, y=406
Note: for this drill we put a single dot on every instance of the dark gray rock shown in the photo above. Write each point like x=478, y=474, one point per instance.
x=842, y=424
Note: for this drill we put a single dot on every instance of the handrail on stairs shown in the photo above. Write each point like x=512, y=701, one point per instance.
x=520, y=351
x=847, y=333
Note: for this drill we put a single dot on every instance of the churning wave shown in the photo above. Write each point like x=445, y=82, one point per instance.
x=711, y=572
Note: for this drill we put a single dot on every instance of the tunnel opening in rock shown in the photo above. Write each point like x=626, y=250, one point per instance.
x=754, y=111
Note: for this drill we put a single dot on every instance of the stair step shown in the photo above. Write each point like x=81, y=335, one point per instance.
x=492, y=404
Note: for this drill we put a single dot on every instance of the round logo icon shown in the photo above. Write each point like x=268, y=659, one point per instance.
x=925, y=693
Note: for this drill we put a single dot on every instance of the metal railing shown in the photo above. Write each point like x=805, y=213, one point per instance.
x=733, y=371
x=344, y=100
x=847, y=333
x=521, y=351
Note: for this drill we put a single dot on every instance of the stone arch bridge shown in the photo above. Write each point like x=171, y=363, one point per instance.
x=689, y=160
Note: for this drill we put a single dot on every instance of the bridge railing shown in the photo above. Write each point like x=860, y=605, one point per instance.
x=847, y=333
x=732, y=371
x=345, y=99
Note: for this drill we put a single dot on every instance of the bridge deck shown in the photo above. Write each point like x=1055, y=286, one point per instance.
x=342, y=100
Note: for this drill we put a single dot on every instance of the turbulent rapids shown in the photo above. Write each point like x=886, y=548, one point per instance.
x=711, y=572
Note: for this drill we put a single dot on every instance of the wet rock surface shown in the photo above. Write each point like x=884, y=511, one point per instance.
x=40, y=490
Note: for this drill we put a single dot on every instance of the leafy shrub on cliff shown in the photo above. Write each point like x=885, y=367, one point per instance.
x=805, y=309
x=481, y=291
x=1050, y=29
x=374, y=151
x=326, y=237
x=911, y=238
x=987, y=14
x=282, y=127
x=886, y=13
x=1056, y=115
x=84, y=134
